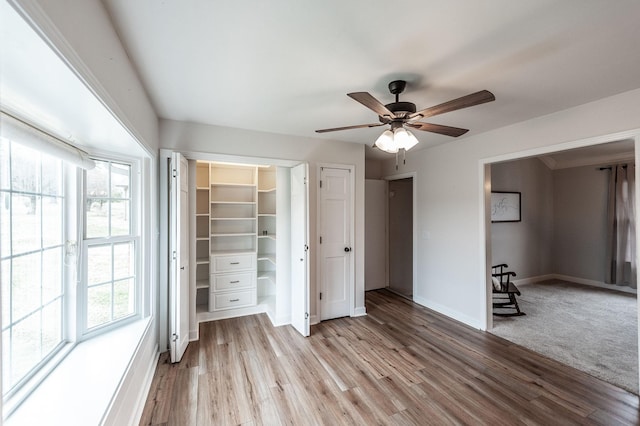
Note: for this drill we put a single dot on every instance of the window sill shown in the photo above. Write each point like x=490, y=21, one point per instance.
x=80, y=389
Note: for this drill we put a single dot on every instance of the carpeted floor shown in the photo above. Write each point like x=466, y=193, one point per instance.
x=594, y=330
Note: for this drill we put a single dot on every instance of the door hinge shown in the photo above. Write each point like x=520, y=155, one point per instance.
x=320, y=295
x=320, y=240
x=175, y=337
x=320, y=184
x=306, y=315
x=306, y=247
x=304, y=181
x=174, y=173
x=173, y=255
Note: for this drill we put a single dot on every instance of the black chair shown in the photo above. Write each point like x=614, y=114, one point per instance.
x=504, y=292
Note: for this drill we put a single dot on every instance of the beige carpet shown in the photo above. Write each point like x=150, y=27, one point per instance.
x=594, y=330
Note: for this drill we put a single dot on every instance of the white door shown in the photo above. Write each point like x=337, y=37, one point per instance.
x=335, y=242
x=300, y=249
x=179, y=254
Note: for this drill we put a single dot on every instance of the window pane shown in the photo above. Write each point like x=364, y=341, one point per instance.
x=25, y=346
x=99, y=264
x=5, y=223
x=25, y=223
x=6, y=359
x=51, y=221
x=25, y=283
x=98, y=180
x=97, y=217
x=51, y=274
x=123, y=298
x=6, y=292
x=51, y=175
x=51, y=326
x=120, y=174
x=25, y=169
x=123, y=266
x=120, y=217
x=5, y=176
x=99, y=305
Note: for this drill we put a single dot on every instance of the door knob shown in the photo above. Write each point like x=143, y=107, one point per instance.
x=347, y=249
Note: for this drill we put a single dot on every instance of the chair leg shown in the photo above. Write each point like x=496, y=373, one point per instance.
x=512, y=304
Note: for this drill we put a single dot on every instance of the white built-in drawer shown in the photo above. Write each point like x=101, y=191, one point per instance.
x=232, y=263
x=236, y=299
x=223, y=282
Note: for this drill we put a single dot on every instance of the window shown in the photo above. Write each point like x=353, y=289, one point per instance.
x=45, y=208
x=110, y=244
x=32, y=236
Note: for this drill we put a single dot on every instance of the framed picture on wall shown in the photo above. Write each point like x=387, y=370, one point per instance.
x=505, y=207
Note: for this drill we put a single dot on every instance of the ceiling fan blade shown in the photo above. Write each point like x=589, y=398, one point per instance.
x=438, y=128
x=366, y=99
x=358, y=126
x=455, y=104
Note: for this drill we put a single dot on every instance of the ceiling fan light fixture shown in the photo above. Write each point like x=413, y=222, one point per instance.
x=404, y=139
x=385, y=142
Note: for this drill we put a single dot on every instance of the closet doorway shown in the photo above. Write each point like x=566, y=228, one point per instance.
x=401, y=233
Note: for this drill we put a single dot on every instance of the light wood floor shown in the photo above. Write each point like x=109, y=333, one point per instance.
x=401, y=364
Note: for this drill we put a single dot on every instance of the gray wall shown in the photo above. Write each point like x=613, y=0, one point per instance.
x=525, y=246
x=563, y=228
x=580, y=213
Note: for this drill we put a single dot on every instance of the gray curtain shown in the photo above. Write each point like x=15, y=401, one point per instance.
x=621, y=227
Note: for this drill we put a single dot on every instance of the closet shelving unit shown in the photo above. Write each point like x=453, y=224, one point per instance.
x=242, y=263
x=267, y=234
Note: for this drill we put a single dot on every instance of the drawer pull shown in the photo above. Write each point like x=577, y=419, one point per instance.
x=234, y=263
x=234, y=282
x=234, y=300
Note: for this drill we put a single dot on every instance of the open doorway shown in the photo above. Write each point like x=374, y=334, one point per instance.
x=558, y=250
x=400, y=228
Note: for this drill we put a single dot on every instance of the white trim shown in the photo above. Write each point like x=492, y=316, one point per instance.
x=313, y=320
x=352, y=200
x=576, y=280
x=125, y=407
x=360, y=311
x=444, y=310
x=414, y=188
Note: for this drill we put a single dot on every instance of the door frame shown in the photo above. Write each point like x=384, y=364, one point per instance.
x=484, y=194
x=352, y=208
x=161, y=310
x=414, y=225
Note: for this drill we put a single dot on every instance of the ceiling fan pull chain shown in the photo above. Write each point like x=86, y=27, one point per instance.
x=404, y=156
x=396, y=160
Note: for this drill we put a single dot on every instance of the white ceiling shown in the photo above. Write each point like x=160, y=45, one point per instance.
x=285, y=66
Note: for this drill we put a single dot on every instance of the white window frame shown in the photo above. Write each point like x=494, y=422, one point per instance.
x=45, y=364
x=83, y=330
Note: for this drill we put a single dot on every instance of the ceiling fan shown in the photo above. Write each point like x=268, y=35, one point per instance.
x=403, y=114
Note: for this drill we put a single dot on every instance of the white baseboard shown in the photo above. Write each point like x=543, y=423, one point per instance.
x=594, y=283
x=465, y=319
x=194, y=335
x=360, y=311
x=313, y=320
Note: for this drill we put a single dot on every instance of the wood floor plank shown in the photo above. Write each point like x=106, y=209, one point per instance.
x=400, y=364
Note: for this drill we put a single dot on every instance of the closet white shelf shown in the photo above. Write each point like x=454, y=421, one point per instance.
x=267, y=275
x=202, y=214
x=202, y=238
x=245, y=185
x=234, y=234
x=202, y=284
x=233, y=218
x=202, y=188
x=271, y=257
x=241, y=251
x=269, y=236
x=267, y=190
x=266, y=215
x=202, y=261
x=234, y=202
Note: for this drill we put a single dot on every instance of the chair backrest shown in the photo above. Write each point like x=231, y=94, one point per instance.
x=500, y=277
